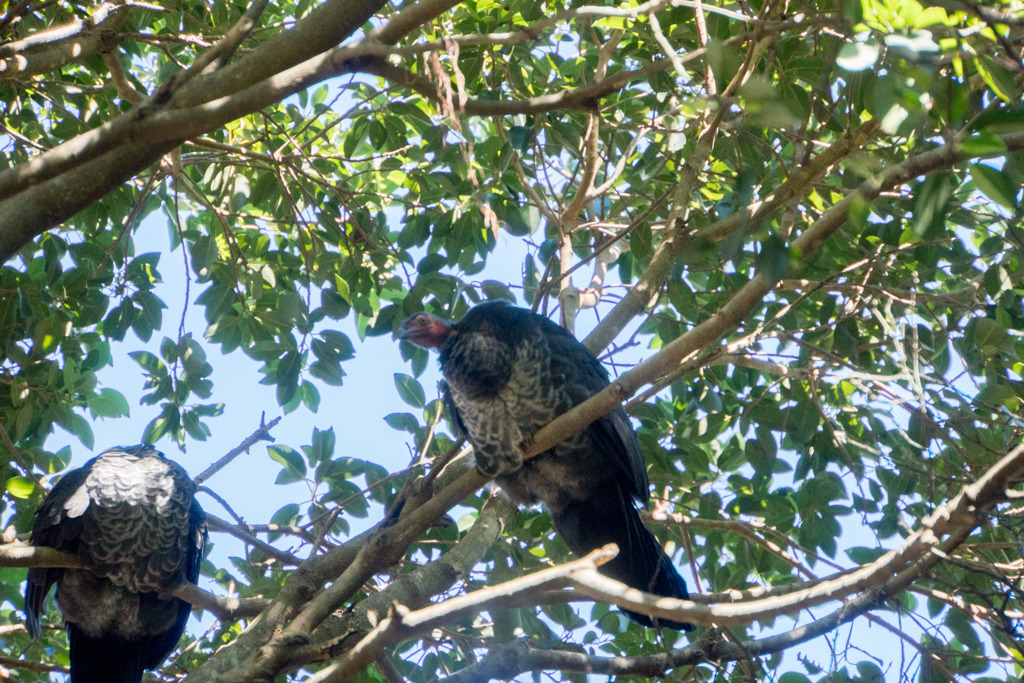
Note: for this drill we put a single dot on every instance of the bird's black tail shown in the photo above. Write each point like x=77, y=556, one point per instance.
x=107, y=659
x=611, y=517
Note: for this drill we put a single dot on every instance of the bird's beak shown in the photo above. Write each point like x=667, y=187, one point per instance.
x=404, y=333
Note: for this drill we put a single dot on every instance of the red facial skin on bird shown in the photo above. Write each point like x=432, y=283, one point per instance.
x=425, y=330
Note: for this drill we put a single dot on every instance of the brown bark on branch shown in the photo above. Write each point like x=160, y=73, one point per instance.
x=46, y=191
x=217, y=524
x=51, y=188
x=262, y=433
x=28, y=665
x=59, y=183
x=417, y=588
x=55, y=48
x=24, y=555
x=224, y=608
x=403, y=624
x=256, y=655
x=942, y=531
x=259, y=654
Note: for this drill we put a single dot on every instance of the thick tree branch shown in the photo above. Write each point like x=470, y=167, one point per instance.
x=876, y=582
x=403, y=624
x=60, y=182
x=508, y=661
x=44, y=192
x=410, y=18
x=52, y=49
x=404, y=531
x=51, y=188
x=795, y=186
x=218, y=55
x=42, y=667
x=226, y=609
x=24, y=555
x=943, y=531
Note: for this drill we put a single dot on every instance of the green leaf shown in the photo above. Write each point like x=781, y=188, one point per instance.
x=996, y=77
x=294, y=464
x=930, y=202
x=870, y=672
x=149, y=362
x=60, y=460
x=81, y=429
x=493, y=289
x=403, y=422
x=241, y=192
x=994, y=184
x=322, y=448
x=520, y=137
x=331, y=373
x=108, y=403
x=23, y=422
x=957, y=622
x=288, y=376
x=310, y=395
x=990, y=337
x=21, y=487
x=289, y=514
x=775, y=257
x=193, y=426
x=218, y=300
x=410, y=390
x=984, y=143
x=286, y=516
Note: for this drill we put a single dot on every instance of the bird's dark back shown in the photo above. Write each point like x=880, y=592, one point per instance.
x=131, y=517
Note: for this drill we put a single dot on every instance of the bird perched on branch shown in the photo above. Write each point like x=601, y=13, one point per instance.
x=131, y=517
x=508, y=372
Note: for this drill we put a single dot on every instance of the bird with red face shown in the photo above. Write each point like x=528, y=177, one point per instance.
x=508, y=372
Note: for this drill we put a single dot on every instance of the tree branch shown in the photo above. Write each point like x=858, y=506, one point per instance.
x=415, y=589
x=401, y=625
x=262, y=433
x=24, y=555
x=217, y=524
x=676, y=242
x=56, y=185
x=54, y=48
x=224, y=608
x=959, y=517
x=37, y=195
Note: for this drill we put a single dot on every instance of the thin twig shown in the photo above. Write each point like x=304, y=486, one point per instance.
x=261, y=434
x=217, y=524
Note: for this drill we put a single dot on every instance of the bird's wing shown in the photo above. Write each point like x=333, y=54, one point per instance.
x=198, y=535
x=158, y=647
x=55, y=527
x=458, y=427
x=585, y=376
